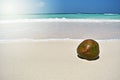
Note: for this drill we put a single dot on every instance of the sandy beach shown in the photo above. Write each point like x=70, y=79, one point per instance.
x=46, y=50
x=42, y=39
x=60, y=29
x=57, y=60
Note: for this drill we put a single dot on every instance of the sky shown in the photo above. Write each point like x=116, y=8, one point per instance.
x=59, y=6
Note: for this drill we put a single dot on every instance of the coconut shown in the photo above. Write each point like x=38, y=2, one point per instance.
x=88, y=49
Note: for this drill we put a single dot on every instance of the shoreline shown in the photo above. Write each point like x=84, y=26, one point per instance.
x=58, y=20
x=59, y=29
x=52, y=40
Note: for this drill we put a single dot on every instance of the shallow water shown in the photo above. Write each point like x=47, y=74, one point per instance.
x=61, y=15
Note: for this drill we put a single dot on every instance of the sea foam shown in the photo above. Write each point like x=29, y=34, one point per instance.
x=59, y=20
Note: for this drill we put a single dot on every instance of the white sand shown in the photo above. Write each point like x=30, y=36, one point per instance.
x=46, y=49
x=60, y=28
x=57, y=60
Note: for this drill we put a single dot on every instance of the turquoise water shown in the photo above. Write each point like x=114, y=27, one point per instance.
x=68, y=16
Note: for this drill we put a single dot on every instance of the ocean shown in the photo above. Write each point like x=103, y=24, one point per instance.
x=60, y=15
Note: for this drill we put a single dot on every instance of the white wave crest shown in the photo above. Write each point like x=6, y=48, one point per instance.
x=58, y=20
